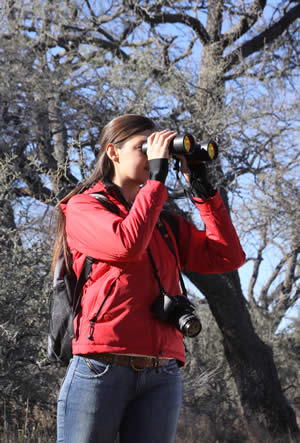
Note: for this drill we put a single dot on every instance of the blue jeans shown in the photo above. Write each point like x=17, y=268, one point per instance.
x=96, y=403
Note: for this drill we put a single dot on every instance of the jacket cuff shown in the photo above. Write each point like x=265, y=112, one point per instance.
x=159, y=169
x=211, y=204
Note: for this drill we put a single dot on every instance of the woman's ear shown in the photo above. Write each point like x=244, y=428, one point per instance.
x=112, y=152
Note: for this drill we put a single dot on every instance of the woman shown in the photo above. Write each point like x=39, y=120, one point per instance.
x=124, y=376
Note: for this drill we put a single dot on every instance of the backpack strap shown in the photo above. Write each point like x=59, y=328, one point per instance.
x=110, y=206
x=87, y=266
x=82, y=279
x=106, y=202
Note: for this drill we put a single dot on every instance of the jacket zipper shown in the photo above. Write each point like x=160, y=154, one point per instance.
x=94, y=319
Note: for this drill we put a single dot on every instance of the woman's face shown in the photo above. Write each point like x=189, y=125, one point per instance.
x=132, y=164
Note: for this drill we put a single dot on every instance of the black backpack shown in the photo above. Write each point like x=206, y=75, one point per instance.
x=66, y=295
x=64, y=305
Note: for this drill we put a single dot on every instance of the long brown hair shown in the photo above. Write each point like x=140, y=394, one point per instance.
x=117, y=131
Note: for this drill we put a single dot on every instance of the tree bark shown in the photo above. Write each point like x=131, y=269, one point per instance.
x=7, y=226
x=250, y=360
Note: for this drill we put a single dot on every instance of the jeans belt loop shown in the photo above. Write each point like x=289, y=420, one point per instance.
x=156, y=364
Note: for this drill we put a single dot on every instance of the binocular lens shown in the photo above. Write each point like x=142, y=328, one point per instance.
x=204, y=151
x=187, y=143
x=211, y=151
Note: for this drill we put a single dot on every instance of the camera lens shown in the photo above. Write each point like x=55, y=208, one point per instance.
x=190, y=325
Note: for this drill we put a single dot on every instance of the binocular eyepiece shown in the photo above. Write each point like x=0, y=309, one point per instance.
x=194, y=152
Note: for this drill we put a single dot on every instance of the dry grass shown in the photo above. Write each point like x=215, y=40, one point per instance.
x=34, y=427
x=37, y=426
x=22, y=436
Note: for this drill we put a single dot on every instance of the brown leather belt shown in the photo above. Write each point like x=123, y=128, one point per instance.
x=137, y=363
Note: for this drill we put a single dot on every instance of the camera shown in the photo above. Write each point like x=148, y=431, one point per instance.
x=194, y=152
x=177, y=310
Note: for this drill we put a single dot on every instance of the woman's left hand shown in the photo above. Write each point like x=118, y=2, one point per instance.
x=184, y=169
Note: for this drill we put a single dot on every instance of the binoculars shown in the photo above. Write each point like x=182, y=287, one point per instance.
x=194, y=152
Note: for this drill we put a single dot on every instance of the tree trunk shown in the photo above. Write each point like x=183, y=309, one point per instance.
x=7, y=225
x=251, y=360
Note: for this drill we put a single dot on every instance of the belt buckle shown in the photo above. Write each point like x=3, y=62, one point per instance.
x=134, y=367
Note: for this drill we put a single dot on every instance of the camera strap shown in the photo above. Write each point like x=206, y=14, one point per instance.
x=165, y=235
x=161, y=288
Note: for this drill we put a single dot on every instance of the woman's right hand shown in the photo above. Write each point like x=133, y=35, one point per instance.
x=158, y=144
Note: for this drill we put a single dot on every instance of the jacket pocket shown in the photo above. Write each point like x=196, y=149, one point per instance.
x=92, y=322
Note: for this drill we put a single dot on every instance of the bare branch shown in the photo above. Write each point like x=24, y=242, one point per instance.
x=290, y=271
x=187, y=52
x=257, y=262
x=245, y=23
x=163, y=17
x=283, y=290
x=110, y=45
x=257, y=43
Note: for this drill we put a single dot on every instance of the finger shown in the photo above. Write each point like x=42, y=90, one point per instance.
x=164, y=135
x=170, y=135
x=187, y=177
x=184, y=167
x=161, y=139
x=158, y=144
x=183, y=163
x=154, y=138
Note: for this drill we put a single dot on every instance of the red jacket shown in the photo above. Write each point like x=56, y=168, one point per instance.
x=119, y=243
